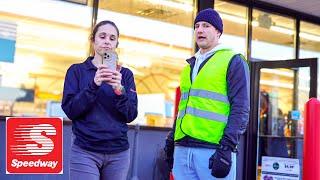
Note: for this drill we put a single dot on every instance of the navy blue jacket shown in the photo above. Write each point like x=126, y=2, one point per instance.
x=238, y=80
x=98, y=115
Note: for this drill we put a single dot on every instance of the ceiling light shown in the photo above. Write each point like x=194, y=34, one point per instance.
x=181, y=6
x=277, y=72
x=52, y=33
x=64, y=52
x=56, y=11
x=237, y=19
x=241, y=20
x=278, y=84
x=147, y=48
x=309, y=36
x=233, y=18
x=282, y=30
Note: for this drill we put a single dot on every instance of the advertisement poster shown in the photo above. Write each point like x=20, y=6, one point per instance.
x=275, y=168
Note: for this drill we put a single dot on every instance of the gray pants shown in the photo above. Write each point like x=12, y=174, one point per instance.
x=192, y=164
x=85, y=165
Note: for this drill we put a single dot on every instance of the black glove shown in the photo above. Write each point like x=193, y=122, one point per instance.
x=220, y=162
x=169, y=149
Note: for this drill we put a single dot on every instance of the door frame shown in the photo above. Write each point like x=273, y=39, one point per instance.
x=250, y=169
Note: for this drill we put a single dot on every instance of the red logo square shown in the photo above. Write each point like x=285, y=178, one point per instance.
x=34, y=145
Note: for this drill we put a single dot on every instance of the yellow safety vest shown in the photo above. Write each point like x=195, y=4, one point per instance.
x=204, y=106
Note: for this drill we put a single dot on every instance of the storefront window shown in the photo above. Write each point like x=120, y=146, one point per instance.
x=41, y=39
x=272, y=36
x=310, y=43
x=234, y=25
x=280, y=117
x=155, y=40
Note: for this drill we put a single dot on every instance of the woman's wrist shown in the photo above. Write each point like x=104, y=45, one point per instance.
x=119, y=90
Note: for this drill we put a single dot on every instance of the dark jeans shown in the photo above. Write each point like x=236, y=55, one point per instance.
x=85, y=165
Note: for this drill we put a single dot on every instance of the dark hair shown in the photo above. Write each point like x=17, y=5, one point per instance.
x=96, y=27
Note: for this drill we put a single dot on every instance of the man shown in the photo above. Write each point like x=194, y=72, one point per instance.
x=213, y=108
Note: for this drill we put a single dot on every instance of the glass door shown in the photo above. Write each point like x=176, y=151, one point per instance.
x=279, y=90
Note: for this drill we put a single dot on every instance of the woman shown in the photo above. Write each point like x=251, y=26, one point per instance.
x=100, y=102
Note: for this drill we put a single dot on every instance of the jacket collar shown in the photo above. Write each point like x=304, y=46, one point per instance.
x=191, y=60
x=219, y=47
x=88, y=63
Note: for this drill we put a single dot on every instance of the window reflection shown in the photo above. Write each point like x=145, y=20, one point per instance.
x=272, y=36
x=45, y=44
x=310, y=43
x=154, y=45
x=234, y=25
x=281, y=114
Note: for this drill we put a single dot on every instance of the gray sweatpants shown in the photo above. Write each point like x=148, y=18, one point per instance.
x=85, y=165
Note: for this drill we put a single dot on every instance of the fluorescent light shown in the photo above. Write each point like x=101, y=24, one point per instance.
x=309, y=36
x=56, y=11
x=176, y=5
x=241, y=20
x=58, y=50
x=52, y=33
x=129, y=46
x=157, y=31
x=237, y=19
x=233, y=18
x=276, y=83
x=282, y=30
x=277, y=72
x=282, y=85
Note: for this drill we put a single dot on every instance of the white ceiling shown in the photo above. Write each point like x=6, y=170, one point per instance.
x=311, y=7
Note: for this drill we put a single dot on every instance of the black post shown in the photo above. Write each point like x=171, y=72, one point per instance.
x=95, y=8
x=204, y=4
x=252, y=130
x=313, y=78
x=249, y=32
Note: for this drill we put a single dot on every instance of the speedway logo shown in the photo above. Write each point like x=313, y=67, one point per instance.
x=34, y=145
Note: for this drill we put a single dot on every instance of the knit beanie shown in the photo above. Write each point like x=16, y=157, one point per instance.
x=210, y=16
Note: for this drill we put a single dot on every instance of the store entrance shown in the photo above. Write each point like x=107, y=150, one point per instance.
x=279, y=90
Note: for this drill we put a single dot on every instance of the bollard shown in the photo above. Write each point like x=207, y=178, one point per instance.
x=311, y=145
x=176, y=103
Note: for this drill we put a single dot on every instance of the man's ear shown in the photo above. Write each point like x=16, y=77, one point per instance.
x=117, y=44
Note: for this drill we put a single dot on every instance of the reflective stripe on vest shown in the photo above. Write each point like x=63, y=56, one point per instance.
x=203, y=114
x=205, y=94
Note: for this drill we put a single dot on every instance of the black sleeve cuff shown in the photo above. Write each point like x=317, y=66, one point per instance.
x=225, y=142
